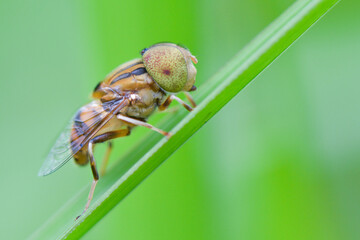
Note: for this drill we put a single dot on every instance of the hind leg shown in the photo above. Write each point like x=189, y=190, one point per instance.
x=105, y=160
x=95, y=175
x=99, y=139
x=106, y=137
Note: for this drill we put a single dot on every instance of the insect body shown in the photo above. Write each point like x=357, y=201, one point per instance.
x=125, y=99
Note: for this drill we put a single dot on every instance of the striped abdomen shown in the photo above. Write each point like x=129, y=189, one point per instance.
x=92, y=120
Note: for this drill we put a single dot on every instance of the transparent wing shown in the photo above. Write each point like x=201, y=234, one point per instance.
x=59, y=154
x=83, y=126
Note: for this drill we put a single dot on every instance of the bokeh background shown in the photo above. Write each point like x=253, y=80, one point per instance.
x=280, y=161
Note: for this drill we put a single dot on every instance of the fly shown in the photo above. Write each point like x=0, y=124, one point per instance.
x=124, y=100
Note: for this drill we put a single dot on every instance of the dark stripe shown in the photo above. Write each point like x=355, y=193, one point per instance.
x=77, y=117
x=138, y=71
x=127, y=67
x=97, y=86
x=80, y=128
x=122, y=76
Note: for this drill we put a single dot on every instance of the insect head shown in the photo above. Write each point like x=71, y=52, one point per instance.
x=171, y=66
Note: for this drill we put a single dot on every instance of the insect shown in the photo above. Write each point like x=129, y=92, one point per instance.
x=125, y=99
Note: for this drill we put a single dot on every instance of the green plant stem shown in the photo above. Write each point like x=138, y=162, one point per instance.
x=231, y=79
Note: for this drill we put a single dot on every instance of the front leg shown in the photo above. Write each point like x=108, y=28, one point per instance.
x=169, y=99
x=190, y=99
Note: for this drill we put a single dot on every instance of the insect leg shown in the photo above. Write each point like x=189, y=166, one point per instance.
x=169, y=99
x=95, y=174
x=99, y=139
x=106, y=158
x=190, y=99
x=108, y=136
x=141, y=123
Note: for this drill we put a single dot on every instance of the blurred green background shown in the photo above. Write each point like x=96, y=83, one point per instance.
x=280, y=161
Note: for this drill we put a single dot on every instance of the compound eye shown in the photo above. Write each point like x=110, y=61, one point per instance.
x=143, y=51
x=166, y=64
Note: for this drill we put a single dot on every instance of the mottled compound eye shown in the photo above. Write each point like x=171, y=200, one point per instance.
x=143, y=51
x=170, y=66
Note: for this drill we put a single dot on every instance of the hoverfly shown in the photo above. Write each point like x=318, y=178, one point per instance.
x=125, y=99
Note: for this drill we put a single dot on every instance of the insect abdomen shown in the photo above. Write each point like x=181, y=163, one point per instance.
x=85, y=120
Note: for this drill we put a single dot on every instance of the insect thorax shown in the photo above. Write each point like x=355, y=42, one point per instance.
x=144, y=101
x=141, y=91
